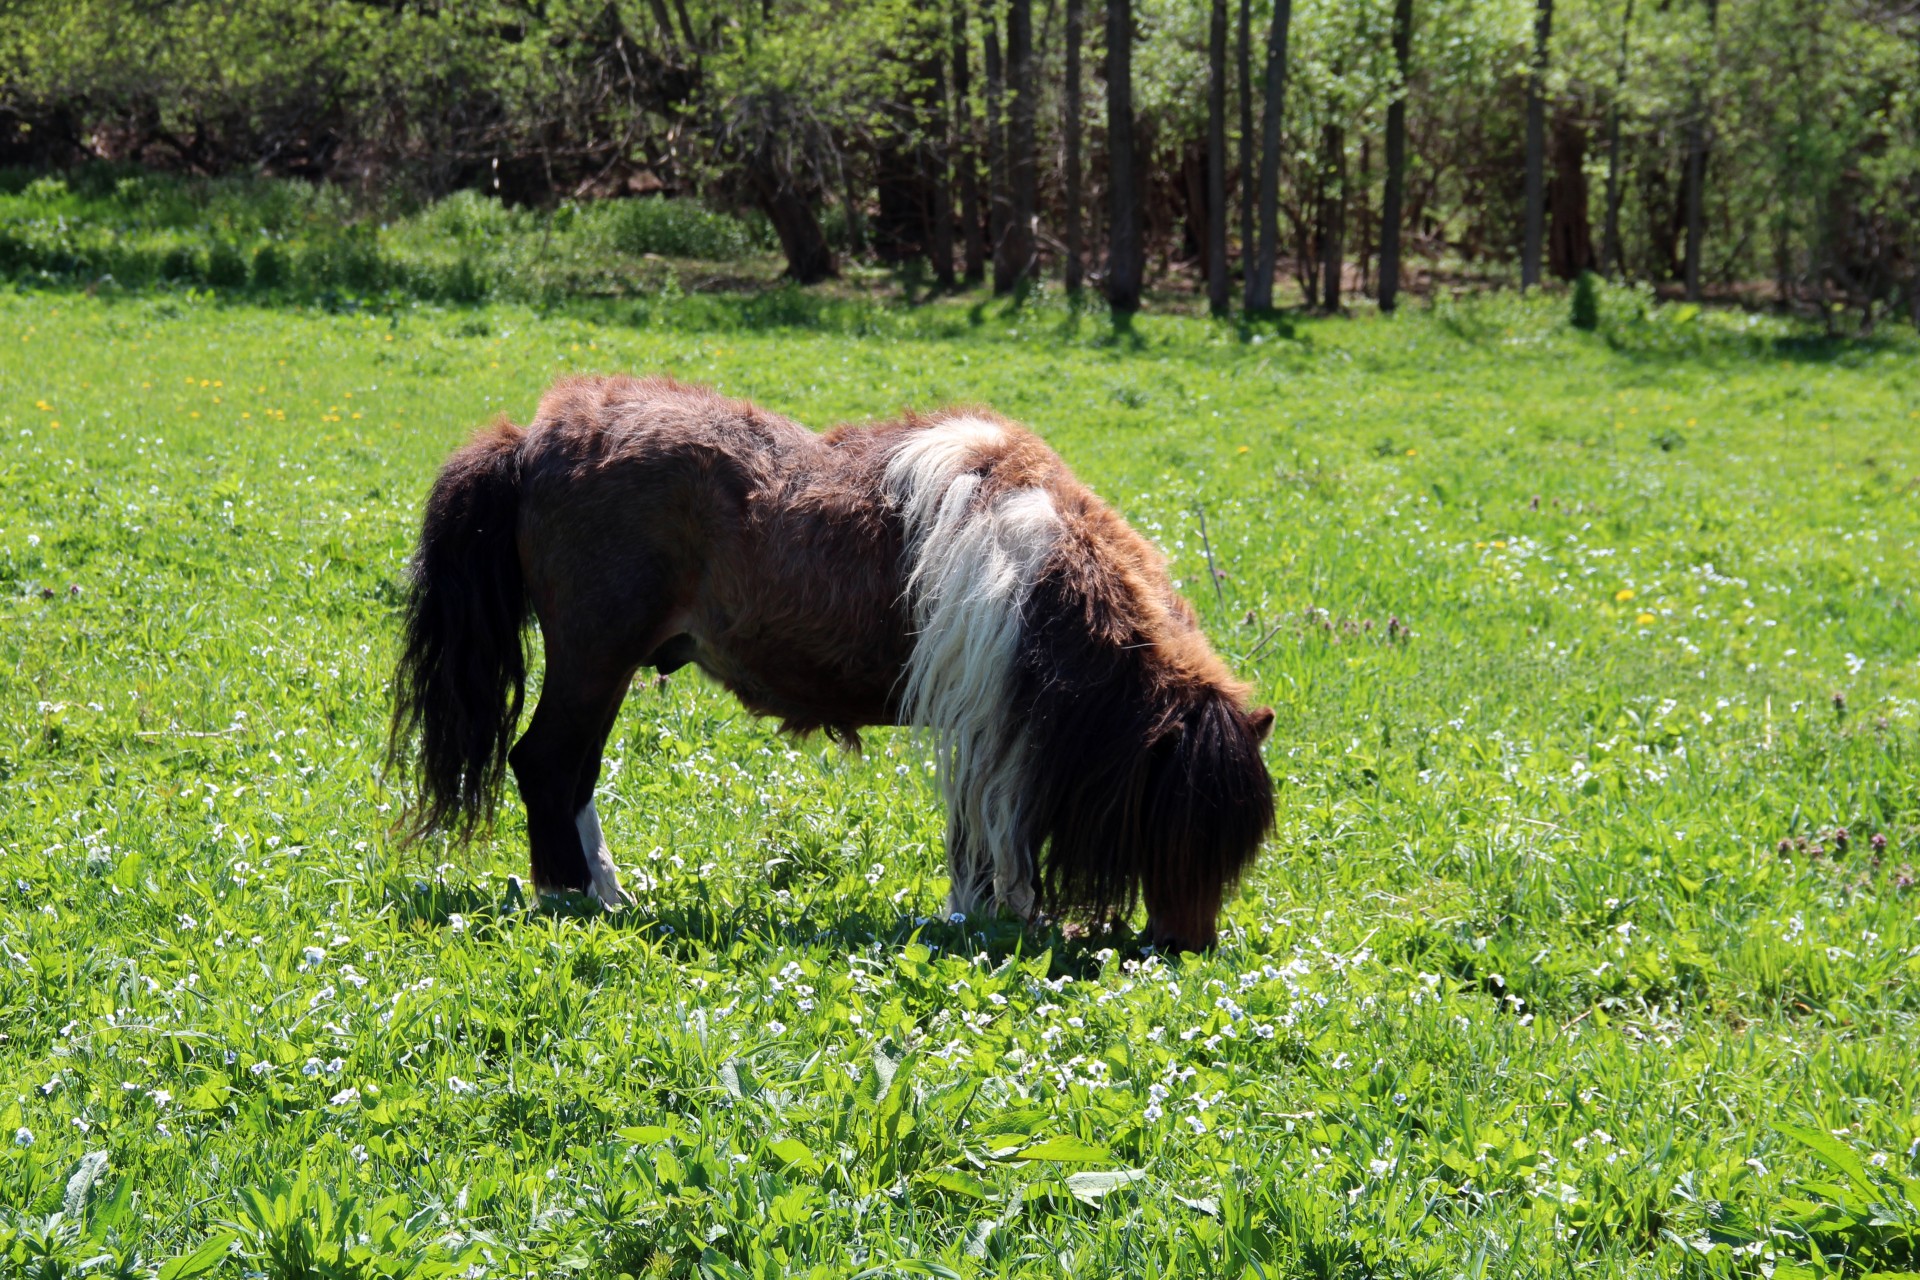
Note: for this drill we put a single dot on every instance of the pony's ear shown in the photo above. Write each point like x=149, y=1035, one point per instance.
x=1262, y=720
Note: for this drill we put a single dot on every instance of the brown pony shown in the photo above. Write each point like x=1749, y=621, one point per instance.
x=944, y=572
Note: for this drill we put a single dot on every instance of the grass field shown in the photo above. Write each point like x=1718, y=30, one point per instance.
x=1588, y=942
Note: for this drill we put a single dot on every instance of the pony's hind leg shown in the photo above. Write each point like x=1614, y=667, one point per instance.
x=603, y=876
x=563, y=742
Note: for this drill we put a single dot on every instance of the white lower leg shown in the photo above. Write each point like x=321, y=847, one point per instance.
x=606, y=879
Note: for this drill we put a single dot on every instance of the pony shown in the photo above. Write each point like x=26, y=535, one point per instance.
x=945, y=572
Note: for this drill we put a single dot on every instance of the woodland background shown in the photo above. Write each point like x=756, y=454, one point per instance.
x=1766, y=150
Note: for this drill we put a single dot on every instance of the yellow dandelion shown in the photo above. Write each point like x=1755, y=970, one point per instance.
x=55, y=425
x=1645, y=619
x=246, y=415
x=1499, y=542
x=1693, y=422
x=1623, y=595
x=1412, y=452
x=1243, y=448
x=218, y=383
x=1479, y=546
x=43, y=406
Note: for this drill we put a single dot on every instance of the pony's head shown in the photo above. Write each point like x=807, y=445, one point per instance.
x=1207, y=804
x=1145, y=755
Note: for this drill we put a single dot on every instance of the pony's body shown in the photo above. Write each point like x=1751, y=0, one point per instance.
x=947, y=573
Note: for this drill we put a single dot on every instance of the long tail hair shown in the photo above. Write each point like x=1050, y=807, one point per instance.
x=461, y=679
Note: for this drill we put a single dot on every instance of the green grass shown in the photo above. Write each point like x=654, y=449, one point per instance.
x=1527, y=982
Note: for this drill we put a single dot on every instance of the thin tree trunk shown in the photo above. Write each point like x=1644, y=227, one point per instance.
x=1076, y=19
x=1390, y=209
x=1123, y=231
x=1260, y=286
x=1218, y=286
x=1333, y=202
x=1022, y=177
x=1247, y=180
x=997, y=194
x=856, y=222
x=1610, y=245
x=966, y=157
x=1533, y=229
x=939, y=152
x=1360, y=215
x=1697, y=173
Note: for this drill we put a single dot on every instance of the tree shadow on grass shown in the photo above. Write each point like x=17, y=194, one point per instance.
x=1668, y=343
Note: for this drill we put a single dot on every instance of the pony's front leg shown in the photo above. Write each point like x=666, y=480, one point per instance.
x=984, y=879
x=969, y=872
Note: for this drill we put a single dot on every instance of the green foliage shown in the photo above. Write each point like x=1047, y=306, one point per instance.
x=674, y=229
x=101, y=223
x=1572, y=942
x=1586, y=302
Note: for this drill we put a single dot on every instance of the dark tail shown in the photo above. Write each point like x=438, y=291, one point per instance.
x=461, y=679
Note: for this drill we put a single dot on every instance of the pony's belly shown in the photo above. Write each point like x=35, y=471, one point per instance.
x=804, y=691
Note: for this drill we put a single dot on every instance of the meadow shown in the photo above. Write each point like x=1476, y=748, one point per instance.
x=1588, y=942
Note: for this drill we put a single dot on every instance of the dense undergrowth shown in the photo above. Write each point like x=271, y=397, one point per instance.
x=1589, y=940
x=109, y=227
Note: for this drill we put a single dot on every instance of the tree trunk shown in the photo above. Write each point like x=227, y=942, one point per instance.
x=1332, y=219
x=1189, y=187
x=1260, y=283
x=997, y=194
x=1014, y=265
x=1533, y=228
x=1123, y=230
x=1247, y=181
x=1075, y=37
x=966, y=158
x=1697, y=172
x=809, y=257
x=1358, y=214
x=1610, y=244
x=1218, y=286
x=938, y=152
x=856, y=220
x=1391, y=214
x=1570, y=247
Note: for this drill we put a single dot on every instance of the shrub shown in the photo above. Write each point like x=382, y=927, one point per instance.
x=270, y=267
x=1586, y=301
x=226, y=269
x=674, y=229
x=181, y=262
x=469, y=218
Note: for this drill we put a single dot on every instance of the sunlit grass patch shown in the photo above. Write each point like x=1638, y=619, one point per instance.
x=1591, y=909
